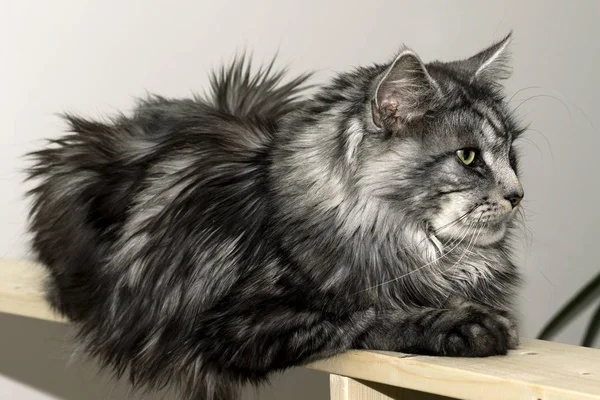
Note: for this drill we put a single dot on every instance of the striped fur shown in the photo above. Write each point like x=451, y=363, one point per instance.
x=206, y=243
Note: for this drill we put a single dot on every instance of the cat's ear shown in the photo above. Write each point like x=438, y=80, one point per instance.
x=492, y=64
x=404, y=92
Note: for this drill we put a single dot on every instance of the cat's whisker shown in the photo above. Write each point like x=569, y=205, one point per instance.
x=446, y=226
x=522, y=90
x=521, y=219
x=534, y=144
x=453, y=240
x=526, y=231
x=420, y=268
x=457, y=239
x=528, y=215
x=545, y=96
x=471, y=242
x=440, y=229
x=462, y=255
x=556, y=98
x=529, y=129
x=465, y=215
x=529, y=240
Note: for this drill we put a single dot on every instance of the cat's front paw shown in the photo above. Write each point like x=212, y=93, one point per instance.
x=476, y=331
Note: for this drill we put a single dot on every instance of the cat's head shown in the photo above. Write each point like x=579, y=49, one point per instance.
x=436, y=142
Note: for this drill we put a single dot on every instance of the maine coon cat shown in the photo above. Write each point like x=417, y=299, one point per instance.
x=205, y=243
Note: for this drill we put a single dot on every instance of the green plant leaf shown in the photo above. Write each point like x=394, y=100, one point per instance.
x=572, y=308
x=592, y=330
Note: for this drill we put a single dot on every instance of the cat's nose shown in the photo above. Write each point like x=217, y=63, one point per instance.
x=514, y=198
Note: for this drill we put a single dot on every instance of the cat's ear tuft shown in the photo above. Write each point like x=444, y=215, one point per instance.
x=492, y=64
x=405, y=92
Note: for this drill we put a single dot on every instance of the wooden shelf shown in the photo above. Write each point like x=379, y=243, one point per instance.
x=21, y=290
x=537, y=370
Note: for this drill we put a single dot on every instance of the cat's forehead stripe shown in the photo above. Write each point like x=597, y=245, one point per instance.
x=492, y=127
x=488, y=115
x=493, y=124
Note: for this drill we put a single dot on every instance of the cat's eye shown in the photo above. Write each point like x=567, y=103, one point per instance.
x=467, y=156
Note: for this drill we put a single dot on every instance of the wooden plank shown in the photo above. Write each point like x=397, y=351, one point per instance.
x=344, y=388
x=21, y=284
x=537, y=370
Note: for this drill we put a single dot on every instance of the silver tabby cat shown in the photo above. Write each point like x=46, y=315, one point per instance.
x=205, y=243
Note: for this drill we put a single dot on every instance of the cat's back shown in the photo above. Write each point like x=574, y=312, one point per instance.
x=171, y=198
x=200, y=212
x=200, y=162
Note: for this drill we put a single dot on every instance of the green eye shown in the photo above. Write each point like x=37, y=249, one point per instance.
x=466, y=156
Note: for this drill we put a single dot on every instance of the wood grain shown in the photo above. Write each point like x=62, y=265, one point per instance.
x=344, y=388
x=21, y=290
x=538, y=370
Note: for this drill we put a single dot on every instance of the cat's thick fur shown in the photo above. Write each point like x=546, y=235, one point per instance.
x=205, y=243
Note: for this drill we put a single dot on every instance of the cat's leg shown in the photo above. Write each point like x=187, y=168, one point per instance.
x=256, y=340
x=464, y=329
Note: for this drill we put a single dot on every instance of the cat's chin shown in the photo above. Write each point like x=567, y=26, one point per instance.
x=489, y=235
x=474, y=236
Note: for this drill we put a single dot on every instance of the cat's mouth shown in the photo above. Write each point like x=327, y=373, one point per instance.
x=478, y=229
x=486, y=228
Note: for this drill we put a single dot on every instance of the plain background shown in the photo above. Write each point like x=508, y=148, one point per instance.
x=94, y=57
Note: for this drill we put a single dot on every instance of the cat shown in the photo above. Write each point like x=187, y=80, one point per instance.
x=205, y=243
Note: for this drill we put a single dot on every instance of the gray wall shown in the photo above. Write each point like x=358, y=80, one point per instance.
x=95, y=56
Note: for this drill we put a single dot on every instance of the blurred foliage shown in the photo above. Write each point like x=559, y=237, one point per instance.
x=582, y=299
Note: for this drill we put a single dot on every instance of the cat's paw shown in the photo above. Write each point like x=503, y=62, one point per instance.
x=476, y=331
x=512, y=328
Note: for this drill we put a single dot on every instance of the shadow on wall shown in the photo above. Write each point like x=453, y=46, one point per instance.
x=38, y=354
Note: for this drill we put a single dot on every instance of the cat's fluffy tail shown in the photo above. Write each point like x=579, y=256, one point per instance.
x=86, y=182
x=238, y=91
x=76, y=207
